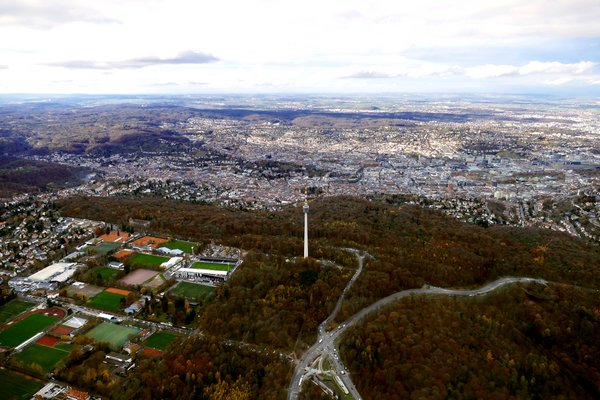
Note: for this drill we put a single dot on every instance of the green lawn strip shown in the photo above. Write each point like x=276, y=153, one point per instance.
x=17, y=386
x=160, y=340
x=64, y=346
x=106, y=272
x=25, y=329
x=115, y=335
x=147, y=259
x=180, y=245
x=192, y=290
x=106, y=301
x=45, y=357
x=13, y=308
x=213, y=266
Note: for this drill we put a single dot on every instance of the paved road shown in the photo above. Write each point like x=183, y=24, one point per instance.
x=326, y=344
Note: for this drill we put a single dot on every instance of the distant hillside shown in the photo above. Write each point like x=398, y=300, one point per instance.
x=20, y=176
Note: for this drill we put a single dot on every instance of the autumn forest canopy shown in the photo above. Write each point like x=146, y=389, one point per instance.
x=274, y=301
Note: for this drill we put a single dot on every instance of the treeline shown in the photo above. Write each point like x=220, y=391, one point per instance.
x=527, y=342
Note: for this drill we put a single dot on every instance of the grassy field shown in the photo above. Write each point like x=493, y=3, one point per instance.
x=213, y=266
x=147, y=259
x=18, y=387
x=24, y=329
x=181, y=245
x=115, y=335
x=107, y=273
x=160, y=340
x=13, y=308
x=106, y=301
x=64, y=346
x=192, y=291
x=104, y=248
x=45, y=357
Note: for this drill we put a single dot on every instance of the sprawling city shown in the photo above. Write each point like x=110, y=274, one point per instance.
x=299, y=200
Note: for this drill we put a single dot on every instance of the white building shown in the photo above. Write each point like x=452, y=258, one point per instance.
x=57, y=272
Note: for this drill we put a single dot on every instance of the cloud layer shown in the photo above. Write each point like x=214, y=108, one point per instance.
x=267, y=45
x=188, y=57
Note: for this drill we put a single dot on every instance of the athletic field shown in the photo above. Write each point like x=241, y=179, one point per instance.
x=147, y=259
x=106, y=301
x=13, y=308
x=213, y=266
x=106, y=272
x=192, y=291
x=160, y=340
x=180, y=245
x=104, y=248
x=46, y=357
x=19, y=332
x=17, y=386
x=138, y=276
x=115, y=335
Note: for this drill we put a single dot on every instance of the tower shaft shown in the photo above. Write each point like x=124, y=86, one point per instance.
x=305, y=208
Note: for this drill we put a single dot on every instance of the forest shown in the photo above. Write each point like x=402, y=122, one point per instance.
x=21, y=176
x=275, y=301
x=524, y=342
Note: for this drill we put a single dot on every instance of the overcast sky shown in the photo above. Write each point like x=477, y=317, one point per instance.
x=246, y=46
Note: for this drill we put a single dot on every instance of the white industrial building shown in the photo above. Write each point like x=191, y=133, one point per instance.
x=57, y=272
x=173, y=261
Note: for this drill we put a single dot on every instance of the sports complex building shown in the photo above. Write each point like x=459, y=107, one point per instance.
x=207, y=269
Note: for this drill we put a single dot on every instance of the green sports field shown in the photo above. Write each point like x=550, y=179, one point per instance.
x=147, y=259
x=107, y=273
x=181, y=245
x=25, y=329
x=13, y=308
x=213, y=266
x=192, y=291
x=104, y=247
x=160, y=340
x=17, y=386
x=115, y=335
x=106, y=301
x=45, y=357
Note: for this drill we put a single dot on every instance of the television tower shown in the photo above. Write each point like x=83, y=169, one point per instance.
x=305, y=208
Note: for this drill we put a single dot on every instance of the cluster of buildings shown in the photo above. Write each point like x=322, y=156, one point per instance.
x=33, y=233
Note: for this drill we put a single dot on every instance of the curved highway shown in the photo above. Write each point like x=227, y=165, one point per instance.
x=326, y=343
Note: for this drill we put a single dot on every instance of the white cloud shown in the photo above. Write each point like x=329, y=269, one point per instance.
x=559, y=81
x=531, y=68
x=491, y=71
x=310, y=43
x=537, y=67
x=188, y=57
x=367, y=75
x=45, y=14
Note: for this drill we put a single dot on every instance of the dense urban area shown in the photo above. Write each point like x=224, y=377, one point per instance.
x=454, y=247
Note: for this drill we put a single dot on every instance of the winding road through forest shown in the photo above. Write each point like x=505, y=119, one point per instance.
x=326, y=342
